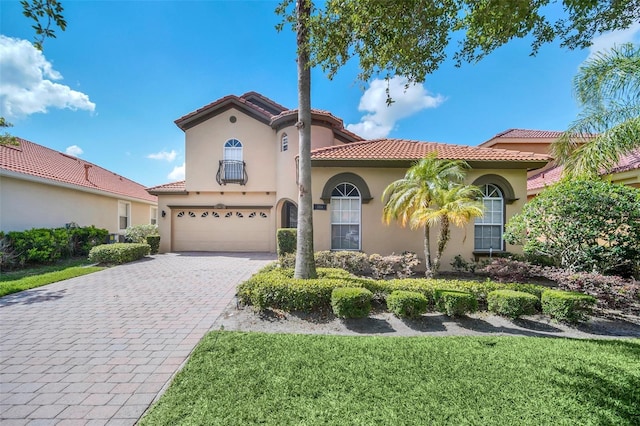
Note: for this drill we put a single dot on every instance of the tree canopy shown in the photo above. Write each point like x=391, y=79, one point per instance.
x=411, y=37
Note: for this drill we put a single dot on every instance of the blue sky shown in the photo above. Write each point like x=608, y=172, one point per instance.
x=109, y=88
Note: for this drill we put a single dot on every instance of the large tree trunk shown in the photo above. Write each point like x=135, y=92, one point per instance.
x=305, y=263
x=443, y=239
x=428, y=272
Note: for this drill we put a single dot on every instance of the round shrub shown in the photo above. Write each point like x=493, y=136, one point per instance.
x=407, y=303
x=115, y=254
x=567, y=306
x=351, y=302
x=512, y=303
x=454, y=303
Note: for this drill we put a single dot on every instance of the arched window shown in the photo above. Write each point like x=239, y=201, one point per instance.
x=284, y=142
x=289, y=215
x=489, y=228
x=345, y=217
x=233, y=165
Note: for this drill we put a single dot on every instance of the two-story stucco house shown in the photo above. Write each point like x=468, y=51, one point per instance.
x=240, y=184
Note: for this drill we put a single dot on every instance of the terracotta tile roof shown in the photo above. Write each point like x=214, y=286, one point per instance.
x=256, y=102
x=168, y=187
x=527, y=133
x=552, y=175
x=36, y=160
x=399, y=149
x=319, y=114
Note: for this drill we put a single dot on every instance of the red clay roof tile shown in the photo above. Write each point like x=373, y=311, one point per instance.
x=36, y=160
x=399, y=149
x=169, y=187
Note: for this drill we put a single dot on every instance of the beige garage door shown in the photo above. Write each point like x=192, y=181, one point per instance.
x=221, y=230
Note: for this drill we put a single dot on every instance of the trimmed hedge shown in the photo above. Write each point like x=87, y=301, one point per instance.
x=286, y=239
x=567, y=306
x=154, y=243
x=455, y=303
x=407, y=304
x=351, y=302
x=512, y=304
x=118, y=253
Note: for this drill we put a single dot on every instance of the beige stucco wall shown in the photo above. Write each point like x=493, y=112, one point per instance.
x=377, y=237
x=27, y=204
x=204, y=148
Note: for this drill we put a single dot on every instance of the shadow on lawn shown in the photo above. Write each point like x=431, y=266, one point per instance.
x=600, y=384
x=482, y=326
x=29, y=297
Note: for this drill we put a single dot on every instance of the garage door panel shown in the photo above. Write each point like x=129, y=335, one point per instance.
x=221, y=230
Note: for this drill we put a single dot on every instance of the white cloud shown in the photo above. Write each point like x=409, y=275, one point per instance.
x=74, y=150
x=382, y=118
x=607, y=40
x=177, y=173
x=164, y=155
x=26, y=86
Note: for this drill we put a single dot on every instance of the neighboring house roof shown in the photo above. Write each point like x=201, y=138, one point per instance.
x=168, y=188
x=409, y=150
x=32, y=161
x=522, y=134
x=552, y=175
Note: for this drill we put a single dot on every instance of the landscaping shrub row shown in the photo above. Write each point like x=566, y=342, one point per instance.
x=115, y=254
x=276, y=288
x=358, y=263
x=43, y=245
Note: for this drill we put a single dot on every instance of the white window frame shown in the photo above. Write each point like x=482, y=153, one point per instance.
x=127, y=207
x=233, y=152
x=495, y=217
x=284, y=143
x=153, y=215
x=347, y=191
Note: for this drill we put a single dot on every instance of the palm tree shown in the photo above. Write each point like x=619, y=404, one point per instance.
x=608, y=88
x=411, y=200
x=454, y=204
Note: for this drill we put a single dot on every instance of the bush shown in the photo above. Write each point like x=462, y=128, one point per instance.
x=612, y=292
x=567, y=306
x=139, y=233
x=399, y=266
x=407, y=303
x=512, y=303
x=83, y=239
x=118, y=253
x=582, y=225
x=154, y=243
x=509, y=270
x=278, y=289
x=286, y=239
x=355, y=262
x=351, y=302
x=455, y=303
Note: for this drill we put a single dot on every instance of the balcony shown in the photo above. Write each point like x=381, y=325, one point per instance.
x=231, y=171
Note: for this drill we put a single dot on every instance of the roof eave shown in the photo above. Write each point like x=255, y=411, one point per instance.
x=190, y=121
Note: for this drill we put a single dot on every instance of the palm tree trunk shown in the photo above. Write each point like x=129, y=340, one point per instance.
x=305, y=263
x=427, y=254
x=443, y=238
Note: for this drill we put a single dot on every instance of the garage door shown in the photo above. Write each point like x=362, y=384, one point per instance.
x=221, y=230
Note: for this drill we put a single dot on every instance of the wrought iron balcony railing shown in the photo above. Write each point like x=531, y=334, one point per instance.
x=231, y=171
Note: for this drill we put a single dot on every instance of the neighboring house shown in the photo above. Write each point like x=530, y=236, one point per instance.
x=43, y=188
x=240, y=184
x=627, y=171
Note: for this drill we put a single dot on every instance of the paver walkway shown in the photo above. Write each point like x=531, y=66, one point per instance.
x=99, y=349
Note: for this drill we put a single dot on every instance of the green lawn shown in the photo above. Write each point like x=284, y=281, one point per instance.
x=280, y=379
x=13, y=282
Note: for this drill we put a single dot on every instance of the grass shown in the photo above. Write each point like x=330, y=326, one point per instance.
x=24, y=279
x=282, y=379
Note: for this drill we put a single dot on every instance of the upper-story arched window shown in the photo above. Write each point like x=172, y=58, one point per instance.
x=233, y=165
x=284, y=143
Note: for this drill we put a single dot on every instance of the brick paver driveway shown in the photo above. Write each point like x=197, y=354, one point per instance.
x=99, y=349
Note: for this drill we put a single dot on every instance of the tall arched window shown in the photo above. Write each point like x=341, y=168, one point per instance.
x=345, y=217
x=284, y=142
x=490, y=227
x=233, y=165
